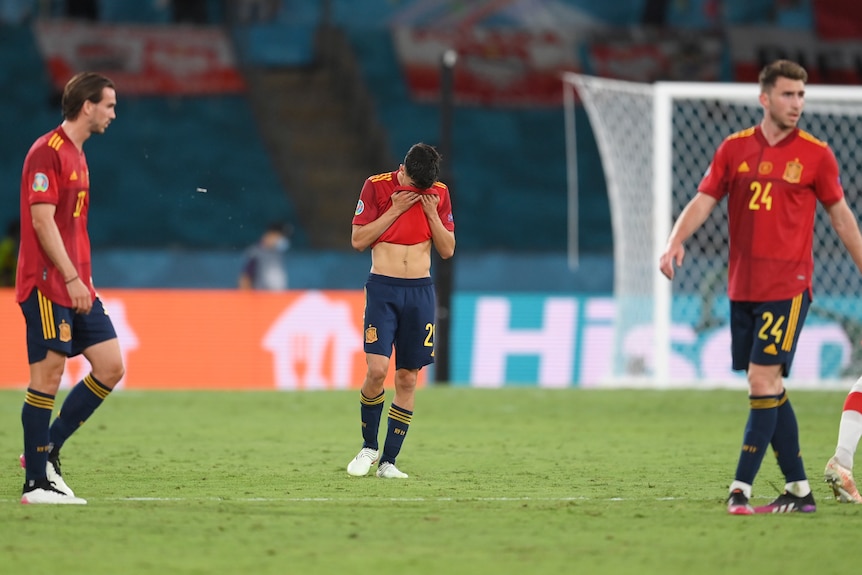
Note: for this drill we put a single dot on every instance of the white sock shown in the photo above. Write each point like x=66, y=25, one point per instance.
x=798, y=488
x=849, y=433
x=745, y=487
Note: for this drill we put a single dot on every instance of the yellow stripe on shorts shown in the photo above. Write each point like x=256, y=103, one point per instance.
x=792, y=322
x=46, y=312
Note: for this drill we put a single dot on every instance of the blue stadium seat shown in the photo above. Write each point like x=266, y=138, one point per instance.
x=147, y=170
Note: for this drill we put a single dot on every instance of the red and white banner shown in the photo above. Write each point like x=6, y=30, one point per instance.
x=217, y=339
x=827, y=61
x=649, y=55
x=141, y=60
x=502, y=66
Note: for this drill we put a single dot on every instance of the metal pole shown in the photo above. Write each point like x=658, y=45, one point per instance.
x=443, y=280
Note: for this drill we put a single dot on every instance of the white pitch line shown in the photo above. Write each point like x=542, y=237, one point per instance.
x=372, y=499
x=354, y=499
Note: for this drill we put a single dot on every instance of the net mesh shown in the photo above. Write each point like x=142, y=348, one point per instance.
x=621, y=116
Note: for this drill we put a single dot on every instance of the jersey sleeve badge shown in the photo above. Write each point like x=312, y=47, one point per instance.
x=40, y=182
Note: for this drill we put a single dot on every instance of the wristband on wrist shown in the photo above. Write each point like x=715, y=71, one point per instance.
x=70, y=280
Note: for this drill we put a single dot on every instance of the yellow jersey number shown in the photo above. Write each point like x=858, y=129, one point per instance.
x=79, y=205
x=429, y=339
x=772, y=327
x=760, y=196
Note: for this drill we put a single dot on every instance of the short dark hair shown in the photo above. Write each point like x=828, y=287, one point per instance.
x=781, y=69
x=81, y=87
x=422, y=164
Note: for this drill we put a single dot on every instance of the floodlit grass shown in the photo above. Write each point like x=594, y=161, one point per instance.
x=501, y=481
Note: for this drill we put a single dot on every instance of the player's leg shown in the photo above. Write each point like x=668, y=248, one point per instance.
x=762, y=415
x=49, y=334
x=759, y=428
x=371, y=399
x=380, y=323
x=88, y=394
x=778, y=329
x=839, y=469
x=414, y=349
x=398, y=422
x=785, y=440
x=94, y=336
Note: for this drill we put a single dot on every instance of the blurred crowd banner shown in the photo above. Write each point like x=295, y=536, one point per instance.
x=140, y=59
x=505, y=55
x=312, y=340
x=506, y=67
x=828, y=61
x=217, y=339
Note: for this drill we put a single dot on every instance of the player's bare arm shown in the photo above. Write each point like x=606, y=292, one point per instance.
x=844, y=222
x=691, y=218
x=363, y=236
x=51, y=241
x=444, y=240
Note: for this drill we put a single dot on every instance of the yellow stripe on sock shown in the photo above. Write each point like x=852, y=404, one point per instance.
x=764, y=402
x=371, y=400
x=39, y=401
x=99, y=391
x=399, y=415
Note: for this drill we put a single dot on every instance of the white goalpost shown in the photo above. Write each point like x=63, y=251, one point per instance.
x=655, y=142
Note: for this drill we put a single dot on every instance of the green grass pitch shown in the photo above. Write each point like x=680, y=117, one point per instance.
x=517, y=480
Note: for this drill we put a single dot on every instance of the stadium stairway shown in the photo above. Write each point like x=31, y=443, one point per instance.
x=322, y=136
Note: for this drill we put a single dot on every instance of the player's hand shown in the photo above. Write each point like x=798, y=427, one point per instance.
x=403, y=200
x=672, y=255
x=429, y=204
x=80, y=294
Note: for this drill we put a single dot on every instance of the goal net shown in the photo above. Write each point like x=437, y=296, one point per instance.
x=656, y=142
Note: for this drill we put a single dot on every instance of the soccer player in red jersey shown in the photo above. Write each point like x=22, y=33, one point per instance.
x=399, y=215
x=54, y=287
x=773, y=176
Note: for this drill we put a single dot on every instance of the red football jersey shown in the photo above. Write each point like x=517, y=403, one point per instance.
x=411, y=227
x=55, y=172
x=772, y=199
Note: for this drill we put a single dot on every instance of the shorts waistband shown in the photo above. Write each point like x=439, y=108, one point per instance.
x=403, y=282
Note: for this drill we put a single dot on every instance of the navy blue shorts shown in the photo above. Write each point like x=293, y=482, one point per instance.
x=52, y=326
x=765, y=333
x=399, y=314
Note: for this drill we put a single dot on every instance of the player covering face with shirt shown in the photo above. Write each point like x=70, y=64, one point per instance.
x=400, y=215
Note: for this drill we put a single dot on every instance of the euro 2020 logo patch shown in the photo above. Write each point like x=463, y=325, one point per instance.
x=360, y=207
x=40, y=182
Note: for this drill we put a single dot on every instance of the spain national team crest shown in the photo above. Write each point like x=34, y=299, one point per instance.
x=793, y=172
x=65, y=332
x=370, y=334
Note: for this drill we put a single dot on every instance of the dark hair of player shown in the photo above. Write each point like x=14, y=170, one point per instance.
x=422, y=164
x=82, y=87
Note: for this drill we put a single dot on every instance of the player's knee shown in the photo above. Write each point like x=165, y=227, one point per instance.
x=376, y=374
x=405, y=380
x=109, y=374
x=761, y=385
